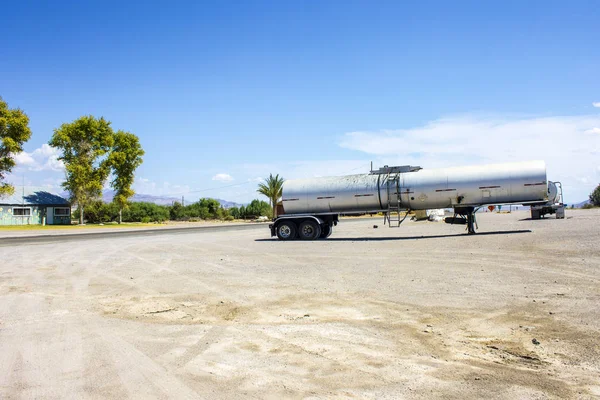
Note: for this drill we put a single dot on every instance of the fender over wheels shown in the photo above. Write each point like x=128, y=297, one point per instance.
x=286, y=230
x=309, y=230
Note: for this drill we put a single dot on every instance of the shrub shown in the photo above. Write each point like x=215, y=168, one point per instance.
x=257, y=208
x=177, y=211
x=595, y=196
x=137, y=212
x=234, y=212
x=99, y=212
x=203, y=209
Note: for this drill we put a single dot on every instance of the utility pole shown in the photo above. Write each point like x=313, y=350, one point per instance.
x=182, y=202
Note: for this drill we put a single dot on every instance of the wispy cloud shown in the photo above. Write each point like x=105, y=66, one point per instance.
x=44, y=158
x=592, y=131
x=222, y=178
x=568, y=144
x=596, y=104
x=148, y=186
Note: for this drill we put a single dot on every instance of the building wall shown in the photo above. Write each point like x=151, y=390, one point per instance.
x=53, y=219
x=62, y=220
x=37, y=213
x=7, y=217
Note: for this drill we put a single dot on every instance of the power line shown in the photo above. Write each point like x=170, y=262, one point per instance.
x=354, y=169
x=207, y=190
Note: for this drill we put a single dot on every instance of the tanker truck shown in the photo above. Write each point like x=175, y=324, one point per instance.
x=310, y=208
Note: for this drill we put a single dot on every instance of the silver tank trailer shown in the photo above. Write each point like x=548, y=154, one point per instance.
x=523, y=182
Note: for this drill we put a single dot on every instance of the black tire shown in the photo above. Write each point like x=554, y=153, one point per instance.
x=326, y=231
x=286, y=230
x=309, y=230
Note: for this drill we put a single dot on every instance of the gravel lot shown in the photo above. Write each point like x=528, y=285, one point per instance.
x=419, y=312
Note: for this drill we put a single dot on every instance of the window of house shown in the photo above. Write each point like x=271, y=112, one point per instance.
x=21, y=211
x=62, y=212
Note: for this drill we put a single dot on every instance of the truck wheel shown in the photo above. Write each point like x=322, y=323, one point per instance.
x=286, y=230
x=309, y=230
x=326, y=231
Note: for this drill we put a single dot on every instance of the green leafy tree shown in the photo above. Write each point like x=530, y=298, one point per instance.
x=595, y=196
x=125, y=157
x=272, y=188
x=177, y=211
x=145, y=212
x=234, y=212
x=14, y=131
x=211, y=206
x=204, y=208
x=257, y=208
x=85, y=144
x=99, y=212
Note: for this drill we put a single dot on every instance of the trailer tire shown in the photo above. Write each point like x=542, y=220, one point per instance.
x=286, y=230
x=326, y=231
x=309, y=230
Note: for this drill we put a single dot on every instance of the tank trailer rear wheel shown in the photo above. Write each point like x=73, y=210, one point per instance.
x=286, y=230
x=326, y=231
x=309, y=230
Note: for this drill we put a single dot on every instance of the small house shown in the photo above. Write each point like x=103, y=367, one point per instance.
x=34, y=206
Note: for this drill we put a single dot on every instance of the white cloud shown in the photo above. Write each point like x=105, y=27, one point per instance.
x=566, y=143
x=592, y=131
x=304, y=169
x=44, y=158
x=147, y=186
x=222, y=178
x=596, y=104
x=24, y=159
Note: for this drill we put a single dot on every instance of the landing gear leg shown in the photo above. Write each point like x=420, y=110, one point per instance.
x=467, y=216
x=471, y=223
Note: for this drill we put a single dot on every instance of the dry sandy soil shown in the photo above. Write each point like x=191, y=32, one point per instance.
x=419, y=312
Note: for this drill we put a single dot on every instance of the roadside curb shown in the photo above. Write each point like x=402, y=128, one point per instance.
x=50, y=237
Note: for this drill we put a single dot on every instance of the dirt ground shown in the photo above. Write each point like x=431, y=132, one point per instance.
x=418, y=312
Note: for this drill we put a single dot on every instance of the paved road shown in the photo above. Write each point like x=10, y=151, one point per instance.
x=115, y=233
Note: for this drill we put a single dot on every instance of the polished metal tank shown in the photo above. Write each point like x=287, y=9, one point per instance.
x=523, y=182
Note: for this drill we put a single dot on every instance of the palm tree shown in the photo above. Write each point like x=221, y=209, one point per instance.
x=272, y=188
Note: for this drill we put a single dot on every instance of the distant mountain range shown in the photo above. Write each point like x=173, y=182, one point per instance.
x=583, y=203
x=108, y=195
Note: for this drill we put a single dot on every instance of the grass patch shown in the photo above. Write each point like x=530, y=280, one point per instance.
x=75, y=227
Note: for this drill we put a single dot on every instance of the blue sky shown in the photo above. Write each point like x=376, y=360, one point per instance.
x=224, y=93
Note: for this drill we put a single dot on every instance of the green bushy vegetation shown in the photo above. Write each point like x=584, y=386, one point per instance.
x=204, y=209
x=595, y=197
x=255, y=209
x=100, y=212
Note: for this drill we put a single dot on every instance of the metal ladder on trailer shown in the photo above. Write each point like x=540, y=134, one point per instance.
x=392, y=214
x=392, y=183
